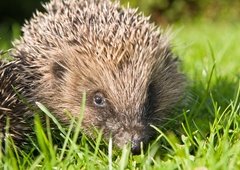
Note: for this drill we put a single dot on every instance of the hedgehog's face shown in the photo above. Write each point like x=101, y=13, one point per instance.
x=122, y=99
x=126, y=124
x=117, y=98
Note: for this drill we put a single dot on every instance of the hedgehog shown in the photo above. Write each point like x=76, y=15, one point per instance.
x=114, y=54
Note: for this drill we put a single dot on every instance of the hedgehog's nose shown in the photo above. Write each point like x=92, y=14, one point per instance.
x=136, y=146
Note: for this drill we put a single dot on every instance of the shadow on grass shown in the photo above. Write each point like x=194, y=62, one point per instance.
x=205, y=102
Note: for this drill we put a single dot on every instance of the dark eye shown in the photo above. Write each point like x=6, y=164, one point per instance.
x=99, y=99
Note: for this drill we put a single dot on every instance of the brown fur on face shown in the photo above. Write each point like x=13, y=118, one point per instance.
x=122, y=62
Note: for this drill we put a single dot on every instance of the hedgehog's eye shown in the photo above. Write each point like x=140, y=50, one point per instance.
x=99, y=99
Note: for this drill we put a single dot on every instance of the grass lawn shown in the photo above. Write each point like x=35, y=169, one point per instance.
x=208, y=135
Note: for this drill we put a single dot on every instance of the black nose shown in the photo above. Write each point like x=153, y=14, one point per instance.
x=136, y=146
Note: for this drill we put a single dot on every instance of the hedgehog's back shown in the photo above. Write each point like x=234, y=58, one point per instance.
x=12, y=107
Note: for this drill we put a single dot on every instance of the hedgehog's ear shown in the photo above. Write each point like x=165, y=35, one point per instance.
x=58, y=69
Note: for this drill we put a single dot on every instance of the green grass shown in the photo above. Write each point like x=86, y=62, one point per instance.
x=207, y=137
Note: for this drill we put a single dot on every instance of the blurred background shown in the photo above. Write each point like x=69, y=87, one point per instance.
x=169, y=11
x=13, y=13
x=161, y=10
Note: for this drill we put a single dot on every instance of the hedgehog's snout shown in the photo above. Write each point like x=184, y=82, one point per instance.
x=136, y=145
x=137, y=140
